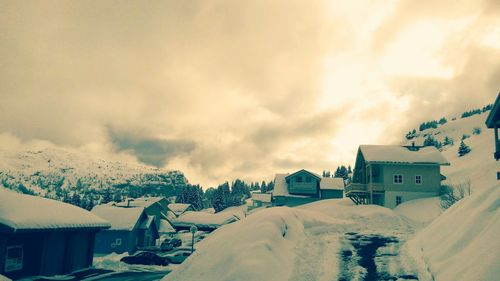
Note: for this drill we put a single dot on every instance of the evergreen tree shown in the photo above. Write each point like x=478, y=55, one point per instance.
x=270, y=186
x=76, y=200
x=107, y=196
x=463, y=149
x=448, y=141
x=263, y=187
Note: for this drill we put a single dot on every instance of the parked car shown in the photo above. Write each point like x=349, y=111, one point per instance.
x=169, y=244
x=178, y=256
x=145, y=258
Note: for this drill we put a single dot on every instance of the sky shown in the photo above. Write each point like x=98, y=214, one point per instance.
x=240, y=89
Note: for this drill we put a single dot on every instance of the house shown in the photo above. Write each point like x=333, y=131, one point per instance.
x=178, y=209
x=153, y=206
x=40, y=236
x=131, y=228
x=389, y=175
x=304, y=187
x=204, y=221
x=493, y=122
x=261, y=199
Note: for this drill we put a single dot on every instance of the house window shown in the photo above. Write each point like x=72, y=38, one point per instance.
x=418, y=179
x=299, y=179
x=399, y=199
x=308, y=179
x=116, y=243
x=14, y=258
x=398, y=179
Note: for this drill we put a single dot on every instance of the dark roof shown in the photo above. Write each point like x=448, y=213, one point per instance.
x=494, y=115
x=306, y=171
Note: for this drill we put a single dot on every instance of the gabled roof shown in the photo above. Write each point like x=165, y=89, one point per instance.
x=165, y=227
x=331, y=184
x=145, y=202
x=402, y=155
x=178, y=208
x=21, y=212
x=280, y=187
x=147, y=222
x=494, y=115
x=304, y=171
x=121, y=218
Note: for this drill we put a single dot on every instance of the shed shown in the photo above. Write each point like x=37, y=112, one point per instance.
x=40, y=236
x=131, y=228
x=331, y=188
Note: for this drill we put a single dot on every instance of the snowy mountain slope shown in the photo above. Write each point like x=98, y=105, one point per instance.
x=478, y=166
x=47, y=171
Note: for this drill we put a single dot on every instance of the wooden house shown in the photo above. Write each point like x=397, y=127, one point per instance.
x=261, y=199
x=493, y=122
x=178, y=209
x=389, y=175
x=304, y=187
x=131, y=228
x=40, y=236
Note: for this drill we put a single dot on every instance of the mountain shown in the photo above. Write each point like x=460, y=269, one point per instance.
x=59, y=173
x=478, y=166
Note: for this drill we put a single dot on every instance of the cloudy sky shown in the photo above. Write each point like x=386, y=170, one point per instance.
x=225, y=89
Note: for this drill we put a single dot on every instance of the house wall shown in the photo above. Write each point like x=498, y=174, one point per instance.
x=293, y=201
x=49, y=253
x=303, y=188
x=390, y=197
x=105, y=241
x=331, y=194
x=431, y=178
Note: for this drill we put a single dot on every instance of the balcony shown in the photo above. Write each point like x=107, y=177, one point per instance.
x=362, y=187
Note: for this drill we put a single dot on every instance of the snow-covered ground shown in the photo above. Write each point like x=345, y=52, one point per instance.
x=299, y=244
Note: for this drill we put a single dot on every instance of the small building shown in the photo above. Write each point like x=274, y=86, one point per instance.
x=261, y=199
x=389, y=175
x=493, y=122
x=40, y=236
x=131, y=228
x=179, y=208
x=304, y=187
x=153, y=206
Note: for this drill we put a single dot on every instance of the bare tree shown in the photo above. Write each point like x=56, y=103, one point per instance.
x=451, y=194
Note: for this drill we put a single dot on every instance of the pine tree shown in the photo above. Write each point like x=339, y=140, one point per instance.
x=76, y=200
x=463, y=149
x=107, y=196
x=263, y=187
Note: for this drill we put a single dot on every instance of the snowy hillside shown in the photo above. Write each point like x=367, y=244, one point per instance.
x=50, y=171
x=478, y=166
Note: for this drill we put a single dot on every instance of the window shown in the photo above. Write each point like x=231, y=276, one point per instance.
x=14, y=258
x=298, y=179
x=399, y=199
x=418, y=179
x=308, y=179
x=116, y=243
x=398, y=179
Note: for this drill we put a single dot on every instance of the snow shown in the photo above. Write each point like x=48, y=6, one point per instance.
x=422, y=211
x=284, y=243
x=120, y=218
x=280, y=187
x=400, y=154
x=165, y=227
x=263, y=197
x=205, y=219
x=25, y=212
x=178, y=208
x=331, y=183
x=140, y=202
x=462, y=243
x=112, y=262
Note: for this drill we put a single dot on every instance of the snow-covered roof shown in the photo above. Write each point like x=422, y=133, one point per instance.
x=280, y=186
x=21, y=212
x=331, y=184
x=304, y=171
x=120, y=218
x=178, y=208
x=494, y=114
x=205, y=219
x=140, y=202
x=165, y=227
x=263, y=197
x=402, y=154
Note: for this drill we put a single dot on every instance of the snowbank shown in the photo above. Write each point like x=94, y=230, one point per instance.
x=421, y=211
x=462, y=243
x=202, y=219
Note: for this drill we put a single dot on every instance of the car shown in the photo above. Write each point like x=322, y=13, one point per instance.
x=169, y=244
x=147, y=258
x=178, y=256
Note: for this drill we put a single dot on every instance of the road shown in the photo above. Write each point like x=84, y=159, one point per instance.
x=130, y=276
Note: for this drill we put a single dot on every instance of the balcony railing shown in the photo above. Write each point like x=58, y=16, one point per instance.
x=361, y=187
